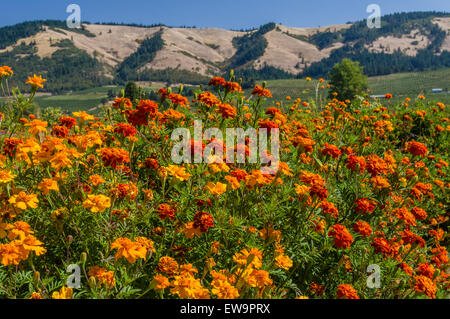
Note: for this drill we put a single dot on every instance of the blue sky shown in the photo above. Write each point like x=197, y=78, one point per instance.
x=229, y=14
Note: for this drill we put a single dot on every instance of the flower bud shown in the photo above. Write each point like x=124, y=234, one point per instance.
x=83, y=257
x=92, y=282
x=36, y=277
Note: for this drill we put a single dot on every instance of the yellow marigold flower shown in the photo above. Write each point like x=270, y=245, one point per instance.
x=64, y=293
x=48, y=185
x=24, y=201
x=216, y=189
x=83, y=115
x=97, y=203
x=283, y=261
x=19, y=229
x=6, y=176
x=36, y=81
x=37, y=126
x=249, y=258
x=6, y=71
x=96, y=180
x=128, y=249
x=179, y=172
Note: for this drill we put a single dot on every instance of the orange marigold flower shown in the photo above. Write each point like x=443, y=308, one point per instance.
x=342, y=237
x=362, y=228
x=128, y=249
x=425, y=285
x=260, y=91
x=36, y=81
x=345, y=291
x=162, y=281
x=168, y=265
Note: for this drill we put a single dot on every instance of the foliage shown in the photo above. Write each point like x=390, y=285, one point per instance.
x=359, y=183
x=348, y=80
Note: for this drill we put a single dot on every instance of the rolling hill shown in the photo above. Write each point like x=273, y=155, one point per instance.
x=102, y=54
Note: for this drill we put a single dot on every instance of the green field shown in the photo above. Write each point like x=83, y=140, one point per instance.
x=401, y=85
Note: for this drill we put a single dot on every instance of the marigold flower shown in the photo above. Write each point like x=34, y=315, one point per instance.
x=345, y=291
x=36, y=126
x=63, y=293
x=283, y=261
x=416, y=148
x=216, y=189
x=166, y=211
x=97, y=203
x=6, y=176
x=129, y=250
x=362, y=228
x=342, y=237
x=179, y=172
x=425, y=285
x=48, y=185
x=24, y=201
x=36, y=81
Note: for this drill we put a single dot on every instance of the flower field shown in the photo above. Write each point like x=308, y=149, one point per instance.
x=358, y=208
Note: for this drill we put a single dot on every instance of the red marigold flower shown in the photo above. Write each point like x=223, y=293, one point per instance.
x=382, y=246
x=10, y=144
x=151, y=163
x=125, y=129
x=114, y=156
x=332, y=150
x=60, y=131
x=342, y=237
x=204, y=221
x=122, y=101
x=166, y=210
x=416, y=148
x=363, y=205
x=267, y=124
x=419, y=213
x=217, y=81
x=67, y=121
x=355, y=163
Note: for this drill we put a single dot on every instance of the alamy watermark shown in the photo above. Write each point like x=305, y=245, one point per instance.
x=249, y=144
x=74, y=19
x=374, y=20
